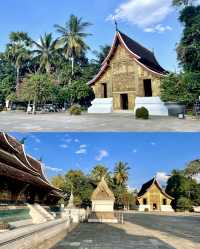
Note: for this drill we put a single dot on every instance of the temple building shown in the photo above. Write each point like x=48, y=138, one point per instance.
x=130, y=76
x=102, y=204
x=22, y=179
x=152, y=197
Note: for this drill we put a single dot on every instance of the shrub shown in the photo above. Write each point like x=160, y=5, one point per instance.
x=146, y=210
x=142, y=113
x=183, y=204
x=75, y=110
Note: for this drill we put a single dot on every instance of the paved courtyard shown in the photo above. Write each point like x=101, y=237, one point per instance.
x=19, y=121
x=140, y=231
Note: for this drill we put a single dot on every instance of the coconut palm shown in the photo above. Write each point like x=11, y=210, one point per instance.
x=193, y=168
x=71, y=38
x=98, y=172
x=183, y=2
x=45, y=50
x=18, y=51
x=121, y=172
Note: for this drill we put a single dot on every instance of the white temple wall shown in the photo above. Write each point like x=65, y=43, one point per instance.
x=102, y=206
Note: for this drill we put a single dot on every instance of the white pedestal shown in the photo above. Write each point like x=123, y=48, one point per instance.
x=153, y=104
x=101, y=105
x=143, y=208
x=166, y=208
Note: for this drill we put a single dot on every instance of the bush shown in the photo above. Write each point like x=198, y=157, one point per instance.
x=75, y=110
x=183, y=204
x=142, y=113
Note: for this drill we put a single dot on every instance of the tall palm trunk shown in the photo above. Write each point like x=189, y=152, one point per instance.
x=34, y=105
x=72, y=58
x=17, y=77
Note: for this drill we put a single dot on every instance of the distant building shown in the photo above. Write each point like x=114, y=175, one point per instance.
x=103, y=204
x=102, y=198
x=22, y=179
x=153, y=198
x=129, y=71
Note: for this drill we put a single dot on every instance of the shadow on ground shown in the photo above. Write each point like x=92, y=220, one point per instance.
x=104, y=236
x=185, y=227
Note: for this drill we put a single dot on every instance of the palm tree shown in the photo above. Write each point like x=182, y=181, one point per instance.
x=45, y=50
x=193, y=168
x=121, y=172
x=98, y=172
x=183, y=2
x=71, y=38
x=18, y=51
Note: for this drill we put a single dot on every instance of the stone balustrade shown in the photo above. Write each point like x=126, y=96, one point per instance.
x=31, y=237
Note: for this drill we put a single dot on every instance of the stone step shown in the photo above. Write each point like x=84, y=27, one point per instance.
x=101, y=105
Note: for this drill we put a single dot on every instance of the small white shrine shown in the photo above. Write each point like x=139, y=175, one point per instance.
x=103, y=204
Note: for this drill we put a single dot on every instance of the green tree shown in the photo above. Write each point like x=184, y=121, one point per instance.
x=7, y=87
x=82, y=188
x=121, y=173
x=72, y=37
x=37, y=88
x=183, y=88
x=59, y=182
x=98, y=172
x=18, y=51
x=180, y=186
x=183, y=204
x=193, y=168
x=78, y=93
x=183, y=2
x=188, y=49
x=45, y=52
x=102, y=54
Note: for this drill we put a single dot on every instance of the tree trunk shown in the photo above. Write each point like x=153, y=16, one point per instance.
x=72, y=65
x=34, y=105
x=17, y=78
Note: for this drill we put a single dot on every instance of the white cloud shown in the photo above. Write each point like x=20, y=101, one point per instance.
x=36, y=139
x=101, y=155
x=135, y=151
x=66, y=140
x=76, y=140
x=53, y=169
x=64, y=146
x=83, y=146
x=162, y=177
x=144, y=13
x=153, y=143
x=81, y=151
x=158, y=28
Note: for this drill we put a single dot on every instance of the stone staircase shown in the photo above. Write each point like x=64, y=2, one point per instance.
x=102, y=217
x=153, y=104
x=101, y=105
x=39, y=214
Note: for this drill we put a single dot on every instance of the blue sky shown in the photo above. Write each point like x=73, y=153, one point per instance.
x=147, y=154
x=153, y=23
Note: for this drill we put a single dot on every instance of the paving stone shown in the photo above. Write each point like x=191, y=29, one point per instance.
x=19, y=121
x=140, y=231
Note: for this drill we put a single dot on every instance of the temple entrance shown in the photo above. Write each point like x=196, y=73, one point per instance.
x=147, y=88
x=105, y=92
x=124, y=101
x=155, y=206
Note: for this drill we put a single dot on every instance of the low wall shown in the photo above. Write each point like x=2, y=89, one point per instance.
x=34, y=236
